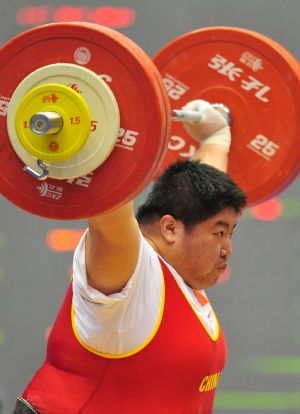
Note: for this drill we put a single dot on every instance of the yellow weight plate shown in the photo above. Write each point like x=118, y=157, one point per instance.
x=76, y=121
x=104, y=128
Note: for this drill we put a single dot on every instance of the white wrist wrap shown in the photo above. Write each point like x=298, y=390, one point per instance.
x=220, y=137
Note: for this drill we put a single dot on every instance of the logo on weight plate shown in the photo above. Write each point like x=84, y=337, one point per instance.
x=52, y=191
x=82, y=55
x=4, y=102
x=75, y=87
x=253, y=62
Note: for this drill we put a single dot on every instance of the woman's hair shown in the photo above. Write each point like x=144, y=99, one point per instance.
x=191, y=192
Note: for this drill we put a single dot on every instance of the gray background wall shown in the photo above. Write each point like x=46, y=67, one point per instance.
x=259, y=306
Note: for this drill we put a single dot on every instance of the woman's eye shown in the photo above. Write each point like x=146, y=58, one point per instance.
x=220, y=234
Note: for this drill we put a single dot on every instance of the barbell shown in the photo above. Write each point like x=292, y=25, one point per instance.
x=86, y=115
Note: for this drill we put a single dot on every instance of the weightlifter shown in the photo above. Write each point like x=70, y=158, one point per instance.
x=136, y=332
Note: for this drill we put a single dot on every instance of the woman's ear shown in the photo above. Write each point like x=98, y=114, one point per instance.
x=170, y=228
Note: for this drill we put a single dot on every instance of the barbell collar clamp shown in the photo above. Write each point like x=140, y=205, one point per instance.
x=224, y=110
x=42, y=174
x=43, y=123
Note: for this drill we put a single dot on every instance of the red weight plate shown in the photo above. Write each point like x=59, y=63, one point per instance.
x=141, y=97
x=259, y=81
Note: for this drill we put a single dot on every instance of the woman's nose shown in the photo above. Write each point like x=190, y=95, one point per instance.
x=227, y=249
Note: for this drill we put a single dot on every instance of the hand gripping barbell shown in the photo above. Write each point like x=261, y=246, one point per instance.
x=85, y=115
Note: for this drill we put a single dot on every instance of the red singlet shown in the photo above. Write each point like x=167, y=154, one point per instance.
x=176, y=373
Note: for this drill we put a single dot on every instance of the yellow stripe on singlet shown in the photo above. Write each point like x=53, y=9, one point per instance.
x=213, y=337
x=135, y=351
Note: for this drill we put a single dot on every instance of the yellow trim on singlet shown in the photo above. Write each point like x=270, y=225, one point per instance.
x=20, y=398
x=135, y=351
x=213, y=337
